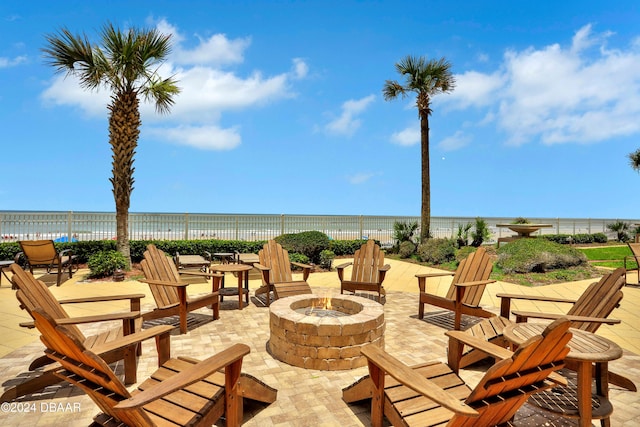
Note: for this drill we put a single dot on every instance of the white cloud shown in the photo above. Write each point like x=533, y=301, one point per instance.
x=455, y=141
x=360, y=178
x=202, y=137
x=207, y=91
x=407, y=137
x=584, y=92
x=300, y=68
x=12, y=62
x=348, y=122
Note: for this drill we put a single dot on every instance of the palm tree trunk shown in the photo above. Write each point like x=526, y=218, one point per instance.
x=124, y=129
x=425, y=212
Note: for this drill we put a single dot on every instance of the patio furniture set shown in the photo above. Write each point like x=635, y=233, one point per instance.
x=190, y=392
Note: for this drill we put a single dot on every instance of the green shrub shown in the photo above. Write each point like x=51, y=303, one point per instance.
x=297, y=257
x=437, y=251
x=105, y=263
x=599, y=238
x=407, y=249
x=537, y=256
x=310, y=243
x=326, y=259
x=346, y=247
x=464, y=252
x=520, y=220
x=580, y=238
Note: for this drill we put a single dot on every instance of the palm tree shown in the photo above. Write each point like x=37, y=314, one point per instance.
x=425, y=79
x=126, y=64
x=634, y=160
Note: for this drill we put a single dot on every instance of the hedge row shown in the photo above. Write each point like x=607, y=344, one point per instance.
x=84, y=250
x=577, y=238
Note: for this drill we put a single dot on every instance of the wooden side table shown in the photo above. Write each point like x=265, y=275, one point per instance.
x=191, y=261
x=242, y=271
x=586, y=350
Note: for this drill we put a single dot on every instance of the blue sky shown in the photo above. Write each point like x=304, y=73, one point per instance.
x=281, y=109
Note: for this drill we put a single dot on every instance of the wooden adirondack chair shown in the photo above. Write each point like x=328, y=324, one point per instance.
x=43, y=253
x=169, y=291
x=182, y=391
x=432, y=394
x=34, y=294
x=275, y=267
x=368, y=270
x=465, y=292
x=587, y=313
x=635, y=256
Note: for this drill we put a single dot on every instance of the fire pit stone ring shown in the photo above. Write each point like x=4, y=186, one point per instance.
x=331, y=341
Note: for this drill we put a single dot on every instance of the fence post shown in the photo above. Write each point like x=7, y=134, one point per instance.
x=69, y=218
x=361, y=227
x=237, y=228
x=281, y=224
x=186, y=226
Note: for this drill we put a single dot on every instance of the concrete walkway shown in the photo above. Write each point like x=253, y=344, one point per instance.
x=305, y=397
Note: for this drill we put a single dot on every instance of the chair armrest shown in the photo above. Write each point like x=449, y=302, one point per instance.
x=475, y=283
x=342, y=266
x=407, y=376
x=306, y=269
x=340, y=269
x=207, y=256
x=98, y=318
x=102, y=298
x=535, y=298
x=522, y=316
x=301, y=265
x=164, y=283
x=64, y=252
x=422, y=279
x=385, y=268
x=426, y=275
x=200, y=273
x=261, y=267
x=487, y=347
x=505, y=301
x=134, y=338
x=19, y=255
x=188, y=376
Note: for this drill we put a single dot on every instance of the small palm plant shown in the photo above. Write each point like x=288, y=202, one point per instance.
x=620, y=228
x=404, y=232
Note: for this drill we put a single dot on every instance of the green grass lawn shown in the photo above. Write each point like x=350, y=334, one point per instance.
x=609, y=256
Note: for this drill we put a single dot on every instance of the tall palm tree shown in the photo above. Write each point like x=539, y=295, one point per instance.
x=126, y=63
x=634, y=160
x=425, y=79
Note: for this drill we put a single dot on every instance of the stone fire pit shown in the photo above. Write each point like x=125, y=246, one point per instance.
x=329, y=342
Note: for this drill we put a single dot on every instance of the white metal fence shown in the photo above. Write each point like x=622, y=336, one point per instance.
x=83, y=226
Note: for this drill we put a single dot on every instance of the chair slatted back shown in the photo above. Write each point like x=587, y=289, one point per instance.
x=86, y=370
x=508, y=383
x=477, y=266
x=39, y=252
x=274, y=256
x=156, y=265
x=599, y=300
x=367, y=262
x=33, y=293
